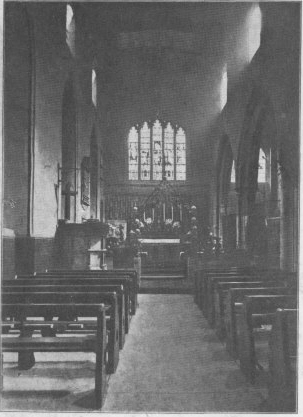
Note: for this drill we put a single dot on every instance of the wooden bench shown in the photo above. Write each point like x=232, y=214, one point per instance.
x=120, y=290
x=234, y=299
x=200, y=275
x=77, y=298
x=210, y=315
x=93, y=343
x=205, y=283
x=205, y=293
x=255, y=318
x=31, y=280
x=109, y=279
x=282, y=388
x=280, y=278
x=221, y=291
x=129, y=273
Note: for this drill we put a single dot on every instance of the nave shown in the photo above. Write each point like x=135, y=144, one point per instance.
x=151, y=149
x=172, y=361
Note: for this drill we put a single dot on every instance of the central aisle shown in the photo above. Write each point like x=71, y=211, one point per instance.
x=172, y=361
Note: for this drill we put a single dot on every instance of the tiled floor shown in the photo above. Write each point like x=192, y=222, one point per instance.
x=171, y=362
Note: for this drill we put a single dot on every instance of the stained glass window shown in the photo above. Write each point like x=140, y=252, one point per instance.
x=262, y=167
x=70, y=29
x=180, y=155
x=223, y=89
x=133, y=154
x=157, y=151
x=169, y=152
x=145, y=152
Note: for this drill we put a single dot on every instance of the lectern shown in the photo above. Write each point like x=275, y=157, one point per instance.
x=80, y=245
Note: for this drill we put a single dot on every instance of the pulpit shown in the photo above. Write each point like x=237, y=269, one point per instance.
x=80, y=245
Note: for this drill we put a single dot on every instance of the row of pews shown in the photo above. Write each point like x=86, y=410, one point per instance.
x=69, y=311
x=254, y=313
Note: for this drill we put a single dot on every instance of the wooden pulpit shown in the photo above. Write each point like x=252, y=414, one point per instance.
x=80, y=245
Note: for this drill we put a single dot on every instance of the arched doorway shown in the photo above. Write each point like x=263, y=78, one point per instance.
x=69, y=150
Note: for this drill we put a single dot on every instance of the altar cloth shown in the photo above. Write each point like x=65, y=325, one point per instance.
x=160, y=241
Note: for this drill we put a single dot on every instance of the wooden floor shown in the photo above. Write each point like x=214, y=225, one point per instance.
x=171, y=362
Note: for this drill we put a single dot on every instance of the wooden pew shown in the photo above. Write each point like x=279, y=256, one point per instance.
x=205, y=297
x=94, y=275
x=282, y=388
x=31, y=280
x=212, y=281
x=220, y=298
x=234, y=299
x=122, y=296
x=267, y=276
x=130, y=273
x=256, y=312
x=205, y=283
x=93, y=343
x=78, y=298
x=200, y=275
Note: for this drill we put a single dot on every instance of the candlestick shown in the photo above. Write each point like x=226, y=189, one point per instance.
x=144, y=215
x=164, y=211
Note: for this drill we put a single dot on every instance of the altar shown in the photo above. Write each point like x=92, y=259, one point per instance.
x=160, y=253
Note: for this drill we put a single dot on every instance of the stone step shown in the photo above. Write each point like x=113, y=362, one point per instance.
x=161, y=277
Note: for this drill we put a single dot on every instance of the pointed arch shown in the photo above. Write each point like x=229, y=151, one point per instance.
x=257, y=179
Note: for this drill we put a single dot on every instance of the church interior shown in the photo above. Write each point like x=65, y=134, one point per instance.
x=150, y=206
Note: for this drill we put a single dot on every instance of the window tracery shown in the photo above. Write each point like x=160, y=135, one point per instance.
x=156, y=150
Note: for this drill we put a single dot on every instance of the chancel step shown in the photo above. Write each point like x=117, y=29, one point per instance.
x=160, y=277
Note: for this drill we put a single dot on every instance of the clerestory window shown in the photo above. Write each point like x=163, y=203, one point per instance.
x=262, y=166
x=70, y=28
x=156, y=150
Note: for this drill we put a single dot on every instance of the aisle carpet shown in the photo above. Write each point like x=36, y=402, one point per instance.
x=173, y=362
